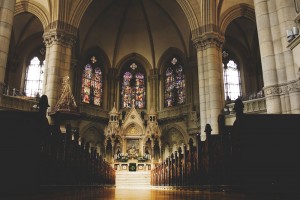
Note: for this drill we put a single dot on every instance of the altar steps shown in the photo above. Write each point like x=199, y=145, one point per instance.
x=133, y=180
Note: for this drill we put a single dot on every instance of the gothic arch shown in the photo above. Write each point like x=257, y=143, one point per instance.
x=168, y=132
x=137, y=57
x=167, y=55
x=100, y=53
x=103, y=63
x=145, y=70
x=164, y=64
x=136, y=126
x=93, y=135
x=79, y=12
x=35, y=9
x=241, y=10
x=191, y=10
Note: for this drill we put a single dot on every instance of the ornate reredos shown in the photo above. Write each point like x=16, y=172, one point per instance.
x=133, y=130
x=133, y=124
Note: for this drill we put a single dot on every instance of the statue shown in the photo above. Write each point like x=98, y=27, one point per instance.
x=132, y=152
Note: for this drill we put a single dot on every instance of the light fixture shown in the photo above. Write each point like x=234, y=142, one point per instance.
x=292, y=33
x=295, y=31
x=289, y=35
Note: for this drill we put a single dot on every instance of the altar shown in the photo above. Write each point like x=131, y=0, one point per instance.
x=132, y=140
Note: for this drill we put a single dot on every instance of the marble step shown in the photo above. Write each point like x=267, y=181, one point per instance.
x=133, y=179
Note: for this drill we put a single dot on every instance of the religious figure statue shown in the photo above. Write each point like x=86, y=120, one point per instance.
x=132, y=152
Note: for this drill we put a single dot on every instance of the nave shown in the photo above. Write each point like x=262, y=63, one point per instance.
x=159, y=193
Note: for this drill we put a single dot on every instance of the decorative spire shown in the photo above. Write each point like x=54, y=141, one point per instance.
x=113, y=110
x=152, y=111
x=66, y=102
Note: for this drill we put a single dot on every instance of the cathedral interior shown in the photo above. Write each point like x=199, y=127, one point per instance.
x=180, y=93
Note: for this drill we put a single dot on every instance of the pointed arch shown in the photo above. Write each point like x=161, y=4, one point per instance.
x=191, y=9
x=94, y=136
x=174, y=128
x=79, y=12
x=137, y=57
x=94, y=65
x=241, y=10
x=133, y=70
x=35, y=9
x=172, y=68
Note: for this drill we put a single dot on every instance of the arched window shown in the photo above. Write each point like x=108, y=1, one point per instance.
x=91, y=90
x=174, y=84
x=34, y=77
x=133, y=89
x=232, y=82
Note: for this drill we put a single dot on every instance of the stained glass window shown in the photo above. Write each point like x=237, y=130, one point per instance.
x=34, y=78
x=91, y=91
x=232, y=83
x=174, y=84
x=133, y=90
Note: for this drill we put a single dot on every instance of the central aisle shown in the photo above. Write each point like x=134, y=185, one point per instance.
x=133, y=180
x=110, y=193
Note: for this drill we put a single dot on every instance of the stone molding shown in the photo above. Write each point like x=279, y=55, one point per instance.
x=59, y=37
x=208, y=40
x=283, y=89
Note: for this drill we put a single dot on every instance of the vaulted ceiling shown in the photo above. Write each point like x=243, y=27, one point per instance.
x=122, y=27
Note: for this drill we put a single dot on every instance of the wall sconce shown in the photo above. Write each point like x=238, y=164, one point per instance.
x=295, y=31
x=292, y=33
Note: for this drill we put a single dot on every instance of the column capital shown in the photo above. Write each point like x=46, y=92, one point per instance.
x=206, y=40
x=60, y=32
x=59, y=37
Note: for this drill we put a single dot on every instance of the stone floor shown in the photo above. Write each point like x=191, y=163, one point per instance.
x=97, y=193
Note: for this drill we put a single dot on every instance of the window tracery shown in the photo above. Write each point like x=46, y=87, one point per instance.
x=91, y=89
x=174, y=84
x=232, y=82
x=133, y=89
x=34, y=77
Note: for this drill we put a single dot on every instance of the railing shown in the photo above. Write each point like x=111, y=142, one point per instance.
x=250, y=106
x=19, y=103
x=15, y=99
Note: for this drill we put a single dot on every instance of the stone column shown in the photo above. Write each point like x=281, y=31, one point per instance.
x=285, y=11
x=202, y=89
x=75, y=80
x=58, y=62
x=124, y=150
x=265, y=35
x=7, y=8
x=210, y=72
x=154, y=96
x=112, y=88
